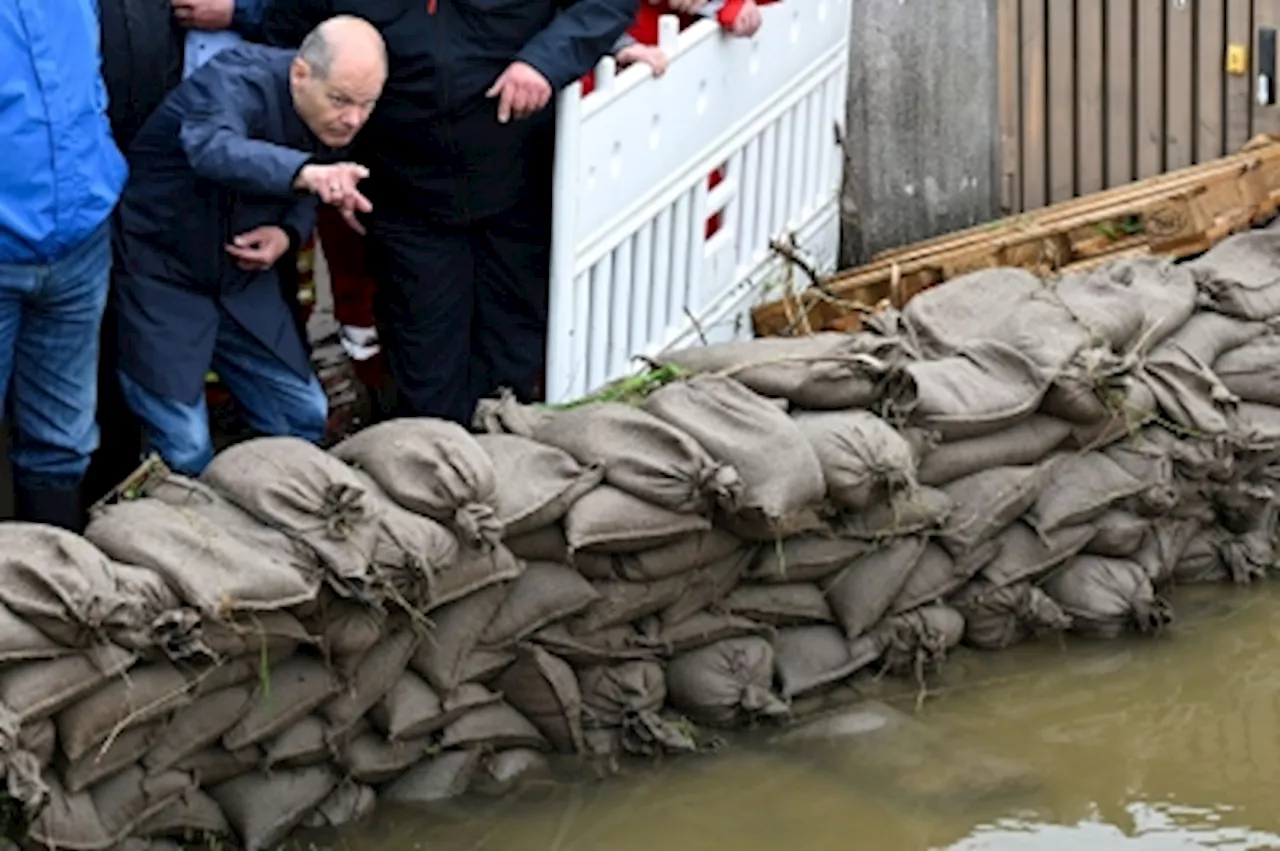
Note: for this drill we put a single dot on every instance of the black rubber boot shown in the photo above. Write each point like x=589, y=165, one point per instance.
x=54, y=506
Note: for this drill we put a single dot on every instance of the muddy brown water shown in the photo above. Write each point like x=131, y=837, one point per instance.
x=1171, y=743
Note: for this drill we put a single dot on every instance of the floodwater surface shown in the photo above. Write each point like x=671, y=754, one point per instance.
x=1144, y=744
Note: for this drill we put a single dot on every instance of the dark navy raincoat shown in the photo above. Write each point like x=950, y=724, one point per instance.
x=217, y=159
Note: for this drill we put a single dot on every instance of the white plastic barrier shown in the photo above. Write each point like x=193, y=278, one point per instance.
x=633, y=271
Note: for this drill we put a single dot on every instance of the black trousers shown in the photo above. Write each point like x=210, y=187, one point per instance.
x=462, y=309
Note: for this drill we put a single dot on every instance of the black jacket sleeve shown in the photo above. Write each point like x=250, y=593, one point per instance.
x=285, y=23
x=579, y=36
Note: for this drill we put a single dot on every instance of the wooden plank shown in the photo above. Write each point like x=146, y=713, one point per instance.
x=1090, y=101
x=1035, y=187
x=1062, y=101
x=1121, y=103
x=1238, y=108
x=1149, y=58
x=1211, y=57
x=1179, y=84
x=1266, y=13
x=1009, y=74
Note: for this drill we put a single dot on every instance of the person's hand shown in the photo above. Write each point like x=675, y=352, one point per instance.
x=748, y=21
x=686, y=7
x=260, y=248
x=521, y=91
x=336, y=185
x=654, y=57
x=204, y=14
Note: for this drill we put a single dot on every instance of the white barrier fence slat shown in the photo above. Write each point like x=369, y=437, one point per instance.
x=634, y=270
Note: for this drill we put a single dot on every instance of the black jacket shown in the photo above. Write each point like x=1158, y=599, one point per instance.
x=142, y=52
x=434, y=146
x=217, y=159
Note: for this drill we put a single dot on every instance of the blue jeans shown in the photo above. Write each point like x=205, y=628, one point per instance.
x=275, y=401
x=50, y=317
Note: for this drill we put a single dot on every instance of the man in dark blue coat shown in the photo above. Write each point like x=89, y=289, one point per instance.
x=459, y=154
x=228, y=173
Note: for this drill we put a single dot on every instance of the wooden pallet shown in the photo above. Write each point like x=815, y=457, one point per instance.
x=1178, y=215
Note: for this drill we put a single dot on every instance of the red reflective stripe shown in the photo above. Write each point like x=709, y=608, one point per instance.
x=431, y=7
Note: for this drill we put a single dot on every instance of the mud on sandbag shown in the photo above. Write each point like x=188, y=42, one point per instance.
x=726, y=684
x=643, y=456
x=545, y=690
x=999, y=617
x=863, y=458
x=537, y=484
x=821, y=372
x=862, y=593
x=434, y=468
x=1240, y=276
x=1108, y=597
x=778, y=470
x=685, y=553
x=610, y=520
x=1028, y=442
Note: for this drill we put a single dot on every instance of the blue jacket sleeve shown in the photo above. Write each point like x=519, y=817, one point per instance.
x=215, y=136
x=247, y=19
x=577, y=38
x=285, y=23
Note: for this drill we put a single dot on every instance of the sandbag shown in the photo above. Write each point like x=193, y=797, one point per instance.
x=606, y=646
x=1240, y=276
x=369, y=758
x=502, y=772
x=22, y=642
x=434, y=468
x=546, y=544
x=1080, y=490
x=482, y=665
x=197, y=726
x=1252, y=371
x=863, y=458
x=441, y=778
x=412, y=709
x=863, y=592
x=349, y=630
x=611, y=520
x=544, y=594
x=1166, y=292
x=497, y=726
x=442, y=654
x=193, y=814
x=918, y=640
x=1132, y=405
x=1117, y=534
x=1025, y=555
x=106, y=815
x=698, y=630
x=937, y=574
x=824, y=371
x=807, y=558
x=686, y=553
x=779, y=471
x=373, y=679
x=726, y=684
x=537, y=484
x=708, y=586
x=626, y=602
x=798, y=604
x=349, y=803
x=1105, y=304
x=1107, y=597
x=100, y=763
x=906, y=513
x=264, y=808
x=986, y=503
x=1164, y=545
x=215, y=765
x=37, y=690
x=814, y=657
x=253, y=634
x=287, y=693
x=999, y=617
x=474, y=571
x=304, y=744
x=544, y=689
x=614, y=694
x=643, y=456
x=1027, y=442
x=217, y=557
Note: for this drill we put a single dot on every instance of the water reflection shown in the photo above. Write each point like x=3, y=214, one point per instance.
x=1171, y=743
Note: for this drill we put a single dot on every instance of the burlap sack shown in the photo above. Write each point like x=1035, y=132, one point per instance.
x=349, y=803
x=498, y=726
x=798, y=604
x=686, y=553
x=808, y=558
x=22, y=642
x=708, y=586
x=264, y=808
x=544, y=594
x=537, y=484
x=907, y=513
x=36, y=690
x=215, y=765
x=615, y=644
x=412, y=709
x=287, y=693
x=369, y=758
x=1240, y=276
x=443, y=651
x=1000, y=617
x=1025, y=555
x=253, y=634
x=193, y=814
x=1027, y=442
x=1081, y=489
x=373, y=679
x=1107, y=597
x=938, y=574
x=811, y=658
x=434, y=468
x=502, y=772
x=917, y=641
x=1117, y=534
x=544, y=689
x=726, y=684
x=546, y=544
x=863, y=458
x=475, y=571
x=613, y=694
x=699, y=630
x=304, y=744
x=863, y=592
x=613, y=521
x=111, y=758
x=441, y=778
x=148, y=692
x=1252, y=371
x=986, y=503
x=624, y=603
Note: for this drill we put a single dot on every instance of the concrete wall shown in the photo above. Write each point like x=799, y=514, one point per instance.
x=923, y=131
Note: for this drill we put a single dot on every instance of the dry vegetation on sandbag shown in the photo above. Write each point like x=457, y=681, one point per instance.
x=739, y=535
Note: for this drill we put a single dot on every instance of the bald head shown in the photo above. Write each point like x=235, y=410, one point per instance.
x=338, y=76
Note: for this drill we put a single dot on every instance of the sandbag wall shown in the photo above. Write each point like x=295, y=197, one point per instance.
x=423, y=612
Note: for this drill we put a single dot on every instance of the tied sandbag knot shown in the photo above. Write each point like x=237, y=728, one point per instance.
x=342, y=510
x=478, y=526
x=1152, y=616
x=722, y=485
x=646, y=733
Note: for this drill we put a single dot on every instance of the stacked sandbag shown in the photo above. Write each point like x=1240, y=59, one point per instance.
x=425, y=612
